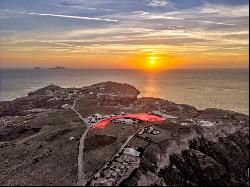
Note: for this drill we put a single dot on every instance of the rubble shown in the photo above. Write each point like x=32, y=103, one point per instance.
x=131, y=152
x=125, y=121
x=149, y=130
x=113, y=174
x=66, y=106
x=205, y=123
x=167, y=116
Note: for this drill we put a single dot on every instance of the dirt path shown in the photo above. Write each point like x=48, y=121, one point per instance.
x=80, y=116
x=81, y=175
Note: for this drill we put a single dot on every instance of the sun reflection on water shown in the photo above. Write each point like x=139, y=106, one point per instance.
x=150, y=89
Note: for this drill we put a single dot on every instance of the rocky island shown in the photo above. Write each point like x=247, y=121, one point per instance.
x=58, y=67
x=53, y=136
x=37, y=68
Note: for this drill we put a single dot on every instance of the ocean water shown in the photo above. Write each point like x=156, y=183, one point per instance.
x=224, y=89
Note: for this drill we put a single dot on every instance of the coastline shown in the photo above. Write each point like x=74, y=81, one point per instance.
x=201, y=102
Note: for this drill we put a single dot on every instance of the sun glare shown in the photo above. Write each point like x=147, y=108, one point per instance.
x=152, y=62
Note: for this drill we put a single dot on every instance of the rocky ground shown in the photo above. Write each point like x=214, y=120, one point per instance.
x=40, y=134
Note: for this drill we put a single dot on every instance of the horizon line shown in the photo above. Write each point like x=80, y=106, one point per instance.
x=121, y=69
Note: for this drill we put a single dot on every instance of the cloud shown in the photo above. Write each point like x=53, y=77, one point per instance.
x=158, y=3
x=141, y=12
x=218, y=23
x=64, y=16
x=60, y=44
x=81, y=7
x=225, y=10
x=163, y=17
x=147, y=25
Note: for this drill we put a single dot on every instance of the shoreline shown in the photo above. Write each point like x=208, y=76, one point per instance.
x=33, y=89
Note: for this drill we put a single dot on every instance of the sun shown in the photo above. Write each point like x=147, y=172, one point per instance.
x=152, y=60
x=148, y=62
x=152, y=63
x=155, y=61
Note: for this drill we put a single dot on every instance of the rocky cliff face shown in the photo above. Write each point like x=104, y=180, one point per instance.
x=194, y=155
x=40, y=133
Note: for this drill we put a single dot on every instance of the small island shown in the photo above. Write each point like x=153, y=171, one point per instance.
x=58, y=67
x=38, y=68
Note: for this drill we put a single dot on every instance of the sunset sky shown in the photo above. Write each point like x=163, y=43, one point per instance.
x=124, y=33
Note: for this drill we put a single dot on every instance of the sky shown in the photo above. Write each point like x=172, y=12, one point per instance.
x=137, y=34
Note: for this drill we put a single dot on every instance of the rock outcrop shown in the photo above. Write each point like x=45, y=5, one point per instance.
x=195, y=155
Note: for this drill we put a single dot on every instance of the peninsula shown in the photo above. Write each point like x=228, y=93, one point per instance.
x=104, y=134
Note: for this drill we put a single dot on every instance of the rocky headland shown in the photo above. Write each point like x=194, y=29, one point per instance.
x=41, y=140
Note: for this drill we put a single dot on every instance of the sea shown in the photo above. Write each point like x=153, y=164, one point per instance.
x=214, y=88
